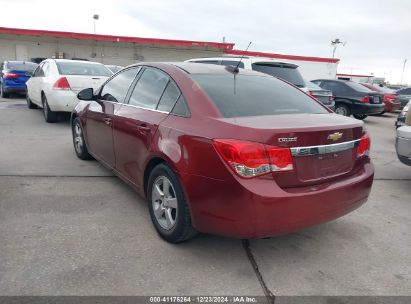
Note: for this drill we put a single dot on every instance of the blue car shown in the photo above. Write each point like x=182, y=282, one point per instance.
x=13, y=76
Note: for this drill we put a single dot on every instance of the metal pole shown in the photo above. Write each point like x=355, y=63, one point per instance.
x=94, y=26
x=403, y=69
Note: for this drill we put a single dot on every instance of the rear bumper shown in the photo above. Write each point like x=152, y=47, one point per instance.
x=391, y=106
x=14, y=88
x=259, y=208
x=62, y=101
x=368, y=109
x=403, y=148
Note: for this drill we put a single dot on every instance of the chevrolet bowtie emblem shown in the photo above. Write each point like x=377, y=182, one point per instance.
x=335, y=136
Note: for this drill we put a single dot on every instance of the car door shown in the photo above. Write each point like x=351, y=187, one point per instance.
x=34, y=83
x=99, y=116
x=136, y=123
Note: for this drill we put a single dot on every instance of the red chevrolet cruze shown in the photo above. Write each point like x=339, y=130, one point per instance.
x=224, y=151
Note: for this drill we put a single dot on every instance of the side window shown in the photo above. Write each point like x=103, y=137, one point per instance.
x=169, y=97
x=1, y=66
x=180, y=108
x=406, y=91
x=149, y=89
x=45, y=69
x=116, y=89
x=38, y=72
x=334, y=87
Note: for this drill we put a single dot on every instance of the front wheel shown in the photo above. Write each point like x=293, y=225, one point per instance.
x=78, y=140
x=360, y=116
x=30, y=104
x=342, y=110
x=167, y=205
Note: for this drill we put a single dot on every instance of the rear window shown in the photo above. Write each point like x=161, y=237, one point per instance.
x=358, y=87
x=82, y=68
x=246, y=95
x=21, y=66
x=288, y=73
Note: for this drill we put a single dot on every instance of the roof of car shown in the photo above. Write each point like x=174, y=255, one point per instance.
x=245, y=58
x=70, y=60
x=201, y=68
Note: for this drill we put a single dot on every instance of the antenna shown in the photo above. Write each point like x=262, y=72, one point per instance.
x=242, y=56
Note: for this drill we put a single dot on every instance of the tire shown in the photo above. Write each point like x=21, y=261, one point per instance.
x=171, y=217
x=2, y=93
x=382, y=113
x=342, y=110
x=49, y=115
x=360, y=116
x=79, y=143
x=30, y=105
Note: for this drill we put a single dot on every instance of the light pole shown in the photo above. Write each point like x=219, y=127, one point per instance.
x=335, y=44
x=95, y=17
x=403, y=69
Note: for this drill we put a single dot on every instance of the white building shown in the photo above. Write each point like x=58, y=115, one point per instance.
x=310, y=67
x=34, y=45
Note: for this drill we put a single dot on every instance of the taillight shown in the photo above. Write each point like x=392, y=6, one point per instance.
x=62, y=84
x=389, y=97
x=10, y=75
x=249, y=159
x=365, y=99
x=330, y=98
x=364, y=146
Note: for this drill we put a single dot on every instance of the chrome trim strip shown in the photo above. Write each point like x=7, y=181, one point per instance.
x=154, y=110
x=324, y=149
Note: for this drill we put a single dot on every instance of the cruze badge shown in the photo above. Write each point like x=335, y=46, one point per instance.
x=287, y=139
x=335, y=136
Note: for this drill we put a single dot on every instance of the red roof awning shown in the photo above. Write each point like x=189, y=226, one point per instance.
x=281, y=56
x=109, y=38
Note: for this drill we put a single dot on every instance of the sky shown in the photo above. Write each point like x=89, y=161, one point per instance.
x=377, y=33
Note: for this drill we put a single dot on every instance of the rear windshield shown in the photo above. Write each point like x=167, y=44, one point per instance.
x=245, y=95
x=290, y=74
x=358, y=87
x=21, y=66
x=82, y=68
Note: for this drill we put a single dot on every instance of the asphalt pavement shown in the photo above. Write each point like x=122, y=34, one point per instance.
x=69, y=227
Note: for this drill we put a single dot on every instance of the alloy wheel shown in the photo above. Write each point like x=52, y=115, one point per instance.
x=341, y=111
x=78, y=138
x=164, y=202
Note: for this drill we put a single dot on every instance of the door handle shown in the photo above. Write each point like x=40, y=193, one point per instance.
x=107, y=121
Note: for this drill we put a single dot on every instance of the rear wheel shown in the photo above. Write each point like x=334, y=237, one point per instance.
x=78, y=140
x=167, y=205
x=360, y=116
x=342, y=110
x=30, y=105
x=2, y=93
x=49, y=115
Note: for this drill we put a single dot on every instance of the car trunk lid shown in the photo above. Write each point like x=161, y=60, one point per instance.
x=80, y=82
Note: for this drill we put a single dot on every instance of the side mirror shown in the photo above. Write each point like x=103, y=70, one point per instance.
x=86, y=94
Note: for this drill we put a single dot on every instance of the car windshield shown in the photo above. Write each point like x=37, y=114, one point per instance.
x=83, y=68
x=21, y=66
x=358, y=87
x=250, y=95
x=283, y=71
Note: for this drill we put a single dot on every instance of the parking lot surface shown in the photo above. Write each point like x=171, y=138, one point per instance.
x=69, y=227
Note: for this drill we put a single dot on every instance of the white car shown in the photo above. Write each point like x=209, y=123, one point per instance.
x=55, y=83
x=403, y=144
x=283, y=70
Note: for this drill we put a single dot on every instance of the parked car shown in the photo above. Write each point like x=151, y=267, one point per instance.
x=187, y=137
x=351, y=98
x=403, y=144
x=324, y=96
x=13, y=76
x=286, y=71
x=389, y=97
x=402, y=116
x=114, y=68
x=56, y=82
x=404, y=95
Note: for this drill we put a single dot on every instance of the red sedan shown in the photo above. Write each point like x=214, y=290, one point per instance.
x=389, y=97
x=225, y=151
